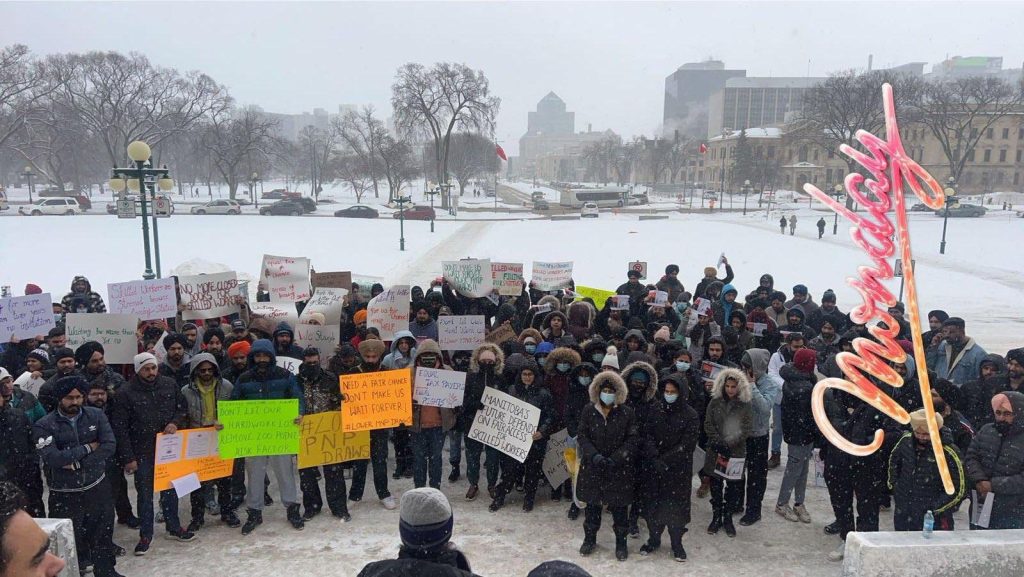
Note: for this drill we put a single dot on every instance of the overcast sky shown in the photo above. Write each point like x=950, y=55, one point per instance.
x=608, y=61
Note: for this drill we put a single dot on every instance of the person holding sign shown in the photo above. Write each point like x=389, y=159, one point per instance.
x=263, y=381
x=634, y=290
x=429, y=424
x=527, y=388
x=914, y=478
x=609, y=443
x=485, y=370
x=995, y=463
x=322, y=394
x=372, y=351
x=728, y=423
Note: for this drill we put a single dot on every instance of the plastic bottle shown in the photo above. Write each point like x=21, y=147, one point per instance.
x=929, y=525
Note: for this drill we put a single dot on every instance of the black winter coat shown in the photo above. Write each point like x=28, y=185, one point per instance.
x=999, y=459
x=448, y=563
x=613, y=437
x=578, y=399
x=141, y=411
x=18, y=462
x=475, y=385
x=670, y=437
x=539, y=397
x=64, y=442
x=798, y=426
x=915, y=482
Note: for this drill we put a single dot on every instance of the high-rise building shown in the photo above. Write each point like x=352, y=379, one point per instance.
x=748, y=102
x=550, y=118
x=687, y=91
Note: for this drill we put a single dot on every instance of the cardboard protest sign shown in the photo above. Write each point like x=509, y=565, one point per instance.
x=620, y=303
x=505, y=423
x=340, y=279
x=439, y=387
x=709, y=370
x=324, y=339
x=379, y=400
x=25, y=317
x=551, y=276
x=146, y=299
x=290, y=364
x=274, y=313
x=206, y=296
x=258, y=428
x=115, y=332
x=286, y=278
x=555, y=469
x=507, y=278
x=328, y=302
x=324, y=443
x=461, y=333
x=501, y=334
x=388, y=312
x=472, y=278
x=188, y=452
x=599, y=296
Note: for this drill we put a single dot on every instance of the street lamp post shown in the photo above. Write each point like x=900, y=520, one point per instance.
x=139, y=152
x=431, y=193
x=28, y=176
x=835, y=220
x=746, y=193
x=401, y=220
x=950, y=192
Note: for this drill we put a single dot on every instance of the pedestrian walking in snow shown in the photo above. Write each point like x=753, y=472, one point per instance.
x=821, y=227
x=782, y=224
x=792, y=224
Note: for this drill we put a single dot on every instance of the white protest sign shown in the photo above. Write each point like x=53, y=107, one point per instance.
x=620, y=303
x=276, y=312
x=551, y=276
x=981, y=511
x=439, y=387
x=461, y=333
x=709, y=370
x=286, y=278
x=507, y=278
x=28, y=384
x=721, y=260
x=658, y=298
x=115, y=332
x=25, y=317
x=290, y=364
x=505, y=423
x=554, y=465
x=324, y=339
x=469, y=277
x=206, y=296
x=146, y=299
x=731, y=469
x=328, y=302
x=169, y=448
x=702, y=305
x=388, y=312
x=692, y=318
x=757, y=329
x=186, y=485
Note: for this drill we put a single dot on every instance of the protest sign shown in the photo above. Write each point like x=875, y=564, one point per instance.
x=460, y=333
x=472, y=278
x=692, y=318
x=640, y=267
x=25, y=317
x=274, y=313
x=186, y=485
x=28, y=384
x=757, y=329
x=439, y=387
x=290, y=364
x=258, y=428
x=326, y=301
x=507, y=278
x=339, y=279
x=551, y=276
x=702, y=305
x=324, y=443
x=286, y=278
x=115, y=332
x=819, y=469
x=501, y=334
x=599, y=296
x=658, y=298
x=324, y=339
x=505, y=423
x=206, y=296
x=709, y=370
x=555, y=469
x=379, y=400
x=731, y=469
x=721, y=260
x=146, y=299
x=388, y=312
x=620, y=303
x=188, y=452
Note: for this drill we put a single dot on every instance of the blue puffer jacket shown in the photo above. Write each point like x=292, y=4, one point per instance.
x=275, y=383
x=61, y=441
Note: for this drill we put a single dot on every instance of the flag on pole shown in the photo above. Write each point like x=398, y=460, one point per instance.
x=500, y=152
x=703, y=148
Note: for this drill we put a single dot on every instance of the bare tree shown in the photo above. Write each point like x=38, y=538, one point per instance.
x=439, y=100
x=362, y=133
x=22, y=83
x=352, y=170
x=232, y=138
x=600, y=157
x=319, y=146
x=471, y=155
x=399, y=164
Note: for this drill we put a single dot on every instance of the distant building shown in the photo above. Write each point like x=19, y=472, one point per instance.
x=748, y=102
x=964, y=67
x=289, y=126
x=687, y=92
x=550, y=118
x=551, y=149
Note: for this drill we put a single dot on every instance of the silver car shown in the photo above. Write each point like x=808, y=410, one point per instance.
x=218, y=207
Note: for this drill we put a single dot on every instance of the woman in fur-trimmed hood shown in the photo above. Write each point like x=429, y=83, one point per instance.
x=728, y=423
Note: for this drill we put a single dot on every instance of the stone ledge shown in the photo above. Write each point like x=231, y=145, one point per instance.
x=946, y=554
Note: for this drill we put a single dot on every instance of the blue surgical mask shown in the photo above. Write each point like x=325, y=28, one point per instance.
x=682, y=366
x=530, y=348
x=541, y=359
x=671, y=398
x=608, y=398
x=584, y=380
x=597, y=357
x=563, y=367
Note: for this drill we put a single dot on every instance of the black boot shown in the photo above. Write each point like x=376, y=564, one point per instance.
x=497, y=503
x=254, y=519
x=621, y=546
x=652, y=545
x=716, y=524
x=295, y=518
x=752, y=517
x=589, y=542
x=230, y=519
x=676, y=536
x=730, y=529
x=528, y=503
x=574, y=512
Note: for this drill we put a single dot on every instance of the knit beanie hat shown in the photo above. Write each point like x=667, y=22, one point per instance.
x=611, y=358
x=662, y=334
x=40, y=355
x=829, y=296
x=317, y=318
x=143, y=359
x=425, y=519
x=919, y=421
x=558, y=569
x=61, y=353
x=1015, y=355
x=240, y=347
x=804, y=360
x=64, y=385
x=85, y=351
x=32, y=289
x=359, y=317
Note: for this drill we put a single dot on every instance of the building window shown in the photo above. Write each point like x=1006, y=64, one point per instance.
x=970, y=155
x=815, y=155
x=1020, y=134
x=771, y=152
x=1019, y=154
x=974, y=133
x=988, y=133
x=803, y=154
x=999, y=177
x=1002, y=155
x=1006, y=134
x=831, y=154
x=967, y=178
x=1016, y=178
x=988, y=155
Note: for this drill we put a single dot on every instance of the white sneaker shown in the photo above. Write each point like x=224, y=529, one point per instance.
x=787, y=512
x=838, y=553
x=802, y=514
x=389, y=503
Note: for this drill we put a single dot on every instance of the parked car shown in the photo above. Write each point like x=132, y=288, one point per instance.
x=308, y=204
x=283, y=207
x=276, y=194
x=43, y=206
x=218, y=207
x=920, y=207
x=3, y=201
x=590, y=210
x=83, y=201
x=357, y=211
x=416, y=213
x=962, y=211
x=540, y=205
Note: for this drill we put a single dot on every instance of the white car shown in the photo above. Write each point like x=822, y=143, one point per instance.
x=590, y=210
x=218, y=207
x=61, y=205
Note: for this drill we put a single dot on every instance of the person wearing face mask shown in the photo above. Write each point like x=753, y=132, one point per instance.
x=372, y=351
x=593, y=351
x=485, y=370
x=530, y=338
x=957, y=358
x=642, y=387
x=669, y=439
x=728, y=423
x=915, y=482
x=529, y=388
x=995, y=462
x=557, y=375
x=322, y=394
x=609, y=441
x=579, y=397
x=540, y=356
x=460, y=362
x=430, y=424
x=994, y=376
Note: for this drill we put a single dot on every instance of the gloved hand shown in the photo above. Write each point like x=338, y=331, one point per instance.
x=722, y=450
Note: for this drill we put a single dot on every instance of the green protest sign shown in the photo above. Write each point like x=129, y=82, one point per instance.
x=258, y=428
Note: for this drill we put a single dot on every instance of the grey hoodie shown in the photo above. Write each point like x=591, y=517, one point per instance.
x=765, y=390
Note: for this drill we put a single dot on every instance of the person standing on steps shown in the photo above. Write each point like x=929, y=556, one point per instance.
x=821, y=227
x=792, y=224
x=728, y=423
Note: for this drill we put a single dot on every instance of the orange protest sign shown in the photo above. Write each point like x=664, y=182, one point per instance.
x=324, y=443
x=379, y=400
x=188, y=451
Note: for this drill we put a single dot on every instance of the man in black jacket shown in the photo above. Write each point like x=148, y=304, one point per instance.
x=74, y=443
x=322, y=394
x=995, y=461
x=485, y=368
x=64, y=360
x=149, y=404
x=18, y=461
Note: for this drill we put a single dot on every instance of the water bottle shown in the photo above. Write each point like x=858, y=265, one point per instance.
x=929, y=525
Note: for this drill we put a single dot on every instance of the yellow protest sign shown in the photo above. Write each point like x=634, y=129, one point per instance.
x=379, y=400
x=598, y=295
x=188, y=451
x=324, y=443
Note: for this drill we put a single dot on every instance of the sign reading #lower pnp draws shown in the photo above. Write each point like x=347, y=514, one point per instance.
x=25, y=317
x=324, y=443
x=206, y=296
x=505, y=423
x=379, y=400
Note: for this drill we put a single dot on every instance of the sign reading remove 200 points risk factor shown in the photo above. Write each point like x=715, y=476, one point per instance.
x=258, y=428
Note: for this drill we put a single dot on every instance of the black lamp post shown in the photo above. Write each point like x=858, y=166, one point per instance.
x=950, y=192
x=28, y=176
x=431, y=193
x=139, y=152
x=401, y=220
x=746, y=193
